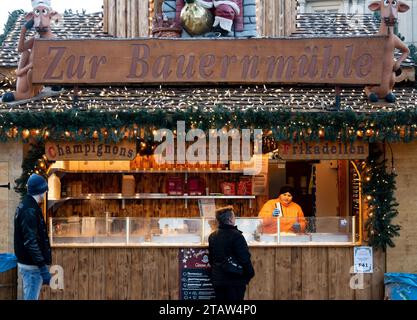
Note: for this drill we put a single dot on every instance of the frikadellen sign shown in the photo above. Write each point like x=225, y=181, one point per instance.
x=350, y=60
x=323, y=151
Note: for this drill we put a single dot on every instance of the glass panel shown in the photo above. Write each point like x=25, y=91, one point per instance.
x=176, y=231
x=107, y=230
x=257, y=231
x=188, y=231
x=295, y=230
x=75, y=230
x=140, y=230
x=210, y=225
x=331, y=229
x=316, y=230
x=68, y=231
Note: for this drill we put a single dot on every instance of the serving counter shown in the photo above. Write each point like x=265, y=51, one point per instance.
x=138, y=258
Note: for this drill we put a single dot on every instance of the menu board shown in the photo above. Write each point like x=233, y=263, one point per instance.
x=195, y=282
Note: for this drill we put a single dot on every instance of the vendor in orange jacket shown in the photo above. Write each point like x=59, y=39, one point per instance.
x=292, y=215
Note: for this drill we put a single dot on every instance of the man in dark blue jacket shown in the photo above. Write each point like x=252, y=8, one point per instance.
x=31, y=243
x=229, y=277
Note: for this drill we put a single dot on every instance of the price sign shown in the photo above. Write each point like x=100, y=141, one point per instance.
x=363, y=260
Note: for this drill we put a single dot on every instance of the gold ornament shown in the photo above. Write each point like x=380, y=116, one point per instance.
x=196, y=19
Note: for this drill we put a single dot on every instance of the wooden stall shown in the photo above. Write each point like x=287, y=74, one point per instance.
x=110, y=201
x=85, y=192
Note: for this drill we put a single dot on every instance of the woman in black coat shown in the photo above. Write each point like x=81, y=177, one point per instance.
x=227, y=241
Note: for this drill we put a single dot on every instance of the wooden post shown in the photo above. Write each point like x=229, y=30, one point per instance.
x=293, y=17
x=112, y=8
x=143, y=16
x=127, y=18
x=121, y=19
x=132, y=17
x=276, y=18
x=106, y=16
x=259, y=27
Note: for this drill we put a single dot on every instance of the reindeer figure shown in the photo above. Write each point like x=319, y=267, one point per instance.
x=40, y=18
x=389, y=15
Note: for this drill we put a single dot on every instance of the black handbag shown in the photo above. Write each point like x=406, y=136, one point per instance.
x=231, y=266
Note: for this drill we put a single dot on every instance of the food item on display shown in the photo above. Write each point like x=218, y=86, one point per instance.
x=244, y=187
x=54, y=185
x=128, y=185
x=175, y=186
x=228, y=188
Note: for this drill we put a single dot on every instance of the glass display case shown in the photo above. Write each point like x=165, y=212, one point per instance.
x=166, y=231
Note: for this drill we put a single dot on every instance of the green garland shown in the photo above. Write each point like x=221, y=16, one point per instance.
x=378, y=189
x=11, y=21
x=294, y=127
x=31, y=164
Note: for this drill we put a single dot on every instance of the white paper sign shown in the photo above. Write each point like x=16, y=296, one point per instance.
x=363, y=260
x=279, y=209
x=207, y=208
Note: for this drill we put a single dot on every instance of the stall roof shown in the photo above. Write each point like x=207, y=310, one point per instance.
x=72, y=26
x=291, y=98
x=323, y=24
x=303, y=99
x=86, y=26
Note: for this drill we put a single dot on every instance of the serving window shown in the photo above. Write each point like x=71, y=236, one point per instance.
x=81, y=192
x=323, y=188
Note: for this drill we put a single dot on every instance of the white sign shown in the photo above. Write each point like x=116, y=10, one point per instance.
x=207, y=208
x=363, y=260
x=278, y=211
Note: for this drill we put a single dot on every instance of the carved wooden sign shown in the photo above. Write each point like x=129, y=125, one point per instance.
x=354, y=60
x=90, y=151
x=323, y=151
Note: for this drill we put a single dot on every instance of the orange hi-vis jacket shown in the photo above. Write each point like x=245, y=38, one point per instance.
x=291, y=214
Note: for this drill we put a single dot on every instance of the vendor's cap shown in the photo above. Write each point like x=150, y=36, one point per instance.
x=285, y=189
x=36, y=185
x=37, y=3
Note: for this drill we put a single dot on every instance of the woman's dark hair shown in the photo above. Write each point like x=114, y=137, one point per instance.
x=224, y=215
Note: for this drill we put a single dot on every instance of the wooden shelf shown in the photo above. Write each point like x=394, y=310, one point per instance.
x=119, y=196
x=146, y=171
x=142, y=196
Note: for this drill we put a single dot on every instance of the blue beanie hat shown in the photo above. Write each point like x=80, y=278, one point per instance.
x=36, y=185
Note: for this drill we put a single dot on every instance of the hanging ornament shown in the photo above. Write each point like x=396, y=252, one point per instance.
x=196, y=19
